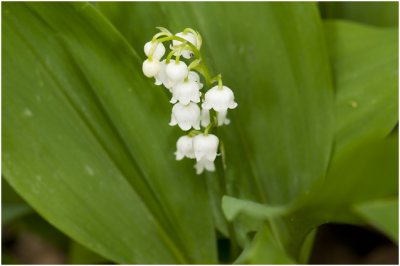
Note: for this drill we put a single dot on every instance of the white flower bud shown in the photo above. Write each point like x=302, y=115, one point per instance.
x=184, y=148
x=205, y=117
x=204, y=164
x=151, y=68
x=190, y=37
x=205, y=147
x=219, y=99
x=185, y=116
x=177, y=71
x=185, y=92
x=158, y=52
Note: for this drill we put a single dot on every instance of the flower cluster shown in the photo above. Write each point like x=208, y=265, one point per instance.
x=193, y=109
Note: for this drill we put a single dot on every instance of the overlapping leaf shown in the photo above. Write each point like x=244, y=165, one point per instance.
x=362, y=171
x=364, y=61
x=383, y=214
x=383, y=13
x=87, y=142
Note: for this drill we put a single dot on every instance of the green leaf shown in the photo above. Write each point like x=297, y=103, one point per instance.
x=78, y=254
x=137, y=22
x=364, y=61
x=382, y=214
x=367, y=173
x=83, y=135
x=365, y=66
x=307, y=247
x=384, y=14
x=232, y=207
x=264, y=250
x=364, y=164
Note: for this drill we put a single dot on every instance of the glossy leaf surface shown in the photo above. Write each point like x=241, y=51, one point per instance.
x=78, y=134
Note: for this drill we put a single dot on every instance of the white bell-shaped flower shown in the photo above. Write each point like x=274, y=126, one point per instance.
x=162, y=79
x=193, y=76
x=190, y=37
x=177, y=72
x=151, y=67
x=222, y=119
x=185, y=92
x=186, y=116
x=205, y=117
x=219, y=99
x=204, y=164
x=184, y=148
x=159, y=50
x=205, y=147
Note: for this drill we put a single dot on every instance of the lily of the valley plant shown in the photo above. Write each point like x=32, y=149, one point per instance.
x=193, y=109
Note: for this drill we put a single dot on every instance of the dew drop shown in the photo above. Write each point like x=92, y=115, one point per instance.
x=28, y=113
x=353, y=104
x=89, y=170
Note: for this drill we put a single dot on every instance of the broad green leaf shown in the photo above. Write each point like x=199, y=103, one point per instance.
x=83, y=135
x=378, y=13
x=307, y=247
x=78, y=254
x=365, y=174
x=382, y=214
x=365, y=170
x=137, y=22
x=365, y=66
x=264, y=250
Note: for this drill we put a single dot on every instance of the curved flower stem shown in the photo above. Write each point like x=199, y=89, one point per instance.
x=177, y=59
x=169, y=56
x=176, y=38
x=193, y=133
x=194, y=64
x=202, y=66
x=208, y=128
